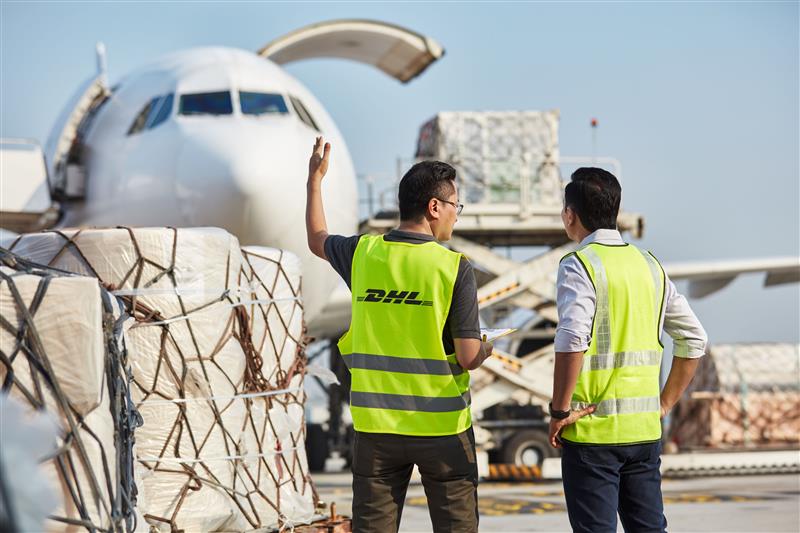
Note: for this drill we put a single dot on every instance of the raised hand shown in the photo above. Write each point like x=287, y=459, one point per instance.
x=318, y=163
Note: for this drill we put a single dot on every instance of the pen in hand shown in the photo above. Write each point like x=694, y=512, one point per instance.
x=486, y=347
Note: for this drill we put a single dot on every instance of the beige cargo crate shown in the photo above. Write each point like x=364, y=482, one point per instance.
x=217, y=356
x=743, y=395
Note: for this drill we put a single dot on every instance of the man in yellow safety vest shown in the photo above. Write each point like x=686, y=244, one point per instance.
x=613, y=302
x=413, y=337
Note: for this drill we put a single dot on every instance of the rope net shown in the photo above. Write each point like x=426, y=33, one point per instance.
x=501, y=156
x=72, y=365
x=217, y=358
x=744, y=394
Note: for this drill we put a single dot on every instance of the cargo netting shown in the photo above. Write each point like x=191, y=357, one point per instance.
x=217, y=357
x=62, y=352
x=501, y=156
x=742, y=395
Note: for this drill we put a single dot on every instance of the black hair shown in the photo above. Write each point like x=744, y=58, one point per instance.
x=594, y=194
x=423, y=181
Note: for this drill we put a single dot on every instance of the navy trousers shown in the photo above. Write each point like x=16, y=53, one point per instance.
x=601, y=481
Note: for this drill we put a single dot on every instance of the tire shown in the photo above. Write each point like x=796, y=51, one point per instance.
x=529, y=447
x=316, y=447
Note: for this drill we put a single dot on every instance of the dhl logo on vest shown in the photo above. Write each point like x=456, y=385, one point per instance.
x=393, y=296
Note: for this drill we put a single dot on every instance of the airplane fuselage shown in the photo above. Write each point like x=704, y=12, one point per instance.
x=228, y=147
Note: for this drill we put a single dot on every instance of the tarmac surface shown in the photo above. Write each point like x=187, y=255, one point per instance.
x=762, y=504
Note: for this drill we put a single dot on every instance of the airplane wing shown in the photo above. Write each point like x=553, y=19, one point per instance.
x=400, y=53
x=707, y=277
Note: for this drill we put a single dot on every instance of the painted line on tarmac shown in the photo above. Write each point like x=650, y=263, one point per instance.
x=488, y=506
x=694, y=497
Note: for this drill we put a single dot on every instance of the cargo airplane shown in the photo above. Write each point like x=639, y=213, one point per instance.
x=219, y=137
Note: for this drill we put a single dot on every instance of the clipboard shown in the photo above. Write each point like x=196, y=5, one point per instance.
x=492, y=334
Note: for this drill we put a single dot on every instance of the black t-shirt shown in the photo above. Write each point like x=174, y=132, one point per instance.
x=462, y=319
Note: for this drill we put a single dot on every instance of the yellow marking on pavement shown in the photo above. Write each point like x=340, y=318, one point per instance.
x=488, y=506
x=687, y=497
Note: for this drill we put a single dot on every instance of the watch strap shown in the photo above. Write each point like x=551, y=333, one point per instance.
x=558, y=415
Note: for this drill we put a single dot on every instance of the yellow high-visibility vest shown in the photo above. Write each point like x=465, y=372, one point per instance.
x=403, y=382
x=621, y=367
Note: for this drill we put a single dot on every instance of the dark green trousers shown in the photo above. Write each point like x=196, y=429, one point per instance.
x=382, y=465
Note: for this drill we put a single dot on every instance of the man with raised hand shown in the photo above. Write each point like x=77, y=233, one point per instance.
x=613, y=302
x=413, y=337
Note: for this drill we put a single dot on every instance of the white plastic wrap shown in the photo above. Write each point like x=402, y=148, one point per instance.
x=68, y=322
x=276, y=314
x=169, y=272
x=742, y=395
x=273, y=438
x=35, y=437
x=500, y=156
x=179, y=277
x=753, y=367
x=214, y=334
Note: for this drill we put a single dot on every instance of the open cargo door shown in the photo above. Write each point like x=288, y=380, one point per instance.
x=64, y=146
x=400, y=53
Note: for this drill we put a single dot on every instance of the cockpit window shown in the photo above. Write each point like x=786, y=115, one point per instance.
x=156, y=111
x=261, y=103
x=206, y=104
x=303, y=113
x=141, y=119
x=160, y=111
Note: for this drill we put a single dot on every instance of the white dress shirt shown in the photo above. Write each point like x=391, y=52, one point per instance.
x=575, y=298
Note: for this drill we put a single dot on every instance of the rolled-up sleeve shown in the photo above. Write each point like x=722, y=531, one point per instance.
x=575, y=299
x=689, y=339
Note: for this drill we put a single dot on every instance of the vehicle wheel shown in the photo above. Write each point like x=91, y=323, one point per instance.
x=316, y=447
x=528, y=447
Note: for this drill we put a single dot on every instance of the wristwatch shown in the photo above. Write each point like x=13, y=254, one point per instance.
x=558, y=415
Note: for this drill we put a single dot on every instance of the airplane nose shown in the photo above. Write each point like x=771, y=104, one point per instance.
x=255, y=190
x=221, y=170
x=206, y=187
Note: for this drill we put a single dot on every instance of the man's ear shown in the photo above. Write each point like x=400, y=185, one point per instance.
x=570, y=216
x=433, y=208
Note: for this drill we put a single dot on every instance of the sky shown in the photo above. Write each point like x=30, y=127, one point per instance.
x=700, y=101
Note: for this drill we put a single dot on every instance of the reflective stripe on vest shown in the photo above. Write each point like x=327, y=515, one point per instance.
x=601, y=336
x=622, y=406
x=405, y=365
x=655, y=274
x=620, y=373
x=402, y=380
x=402, y=402
x=621, y=359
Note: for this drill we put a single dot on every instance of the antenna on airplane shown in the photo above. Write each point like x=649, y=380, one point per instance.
x=594, y=140
x=100, y=49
